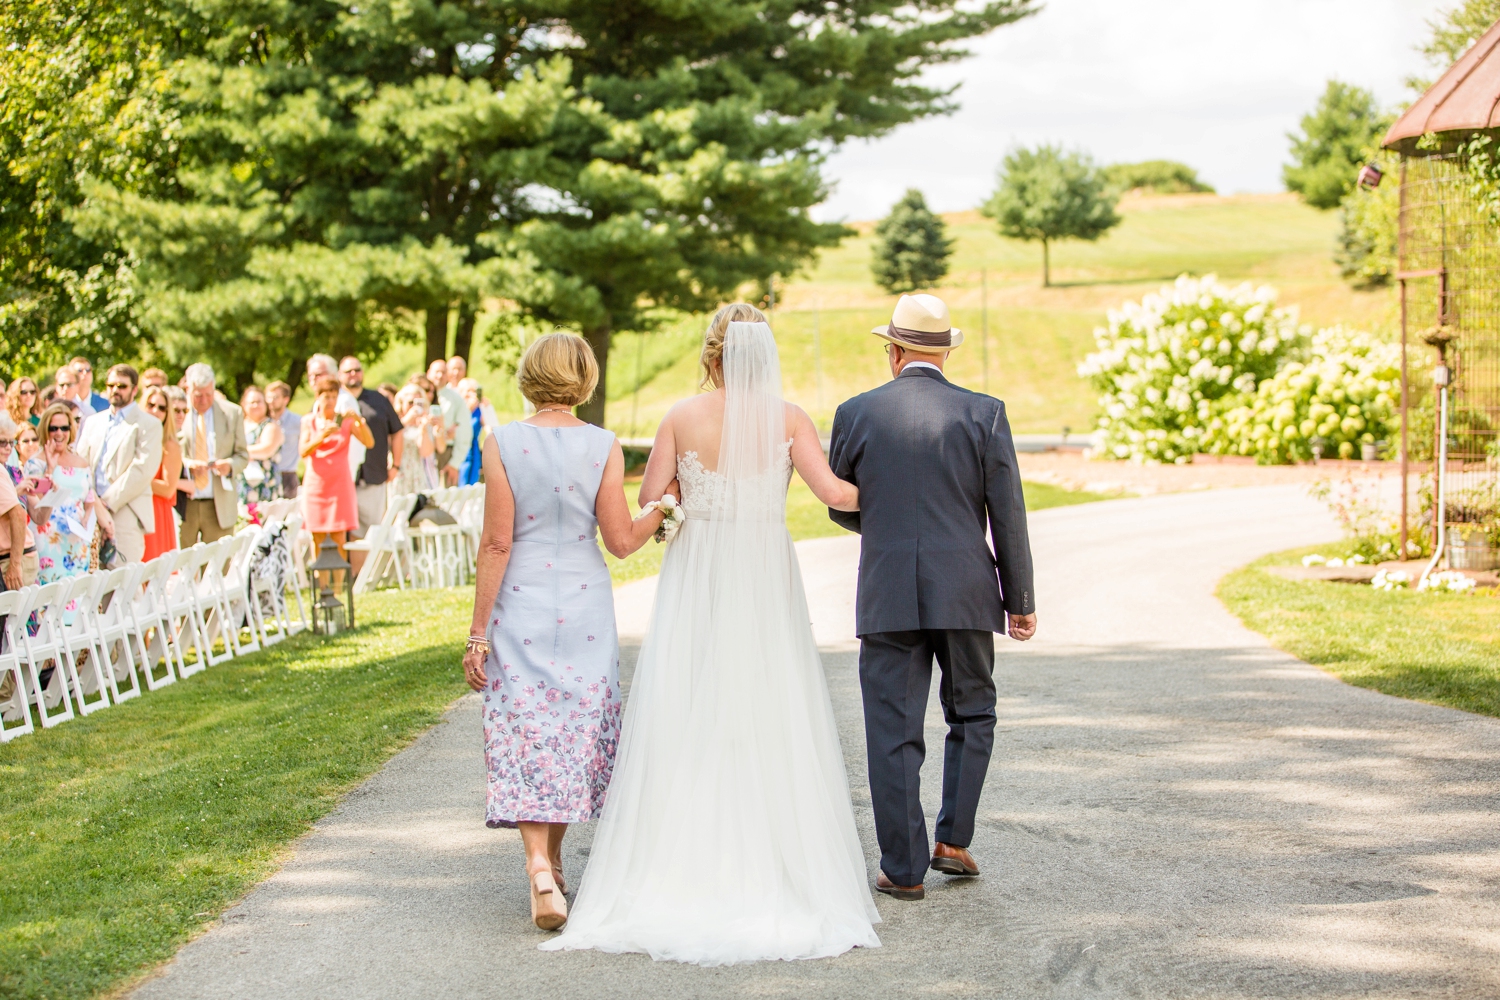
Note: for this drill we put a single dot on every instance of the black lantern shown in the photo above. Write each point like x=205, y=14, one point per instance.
x=329, y=615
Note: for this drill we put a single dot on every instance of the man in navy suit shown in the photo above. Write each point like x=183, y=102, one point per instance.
x=936, y=471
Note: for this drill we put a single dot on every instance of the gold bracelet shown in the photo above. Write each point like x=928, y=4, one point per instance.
x=477, y=643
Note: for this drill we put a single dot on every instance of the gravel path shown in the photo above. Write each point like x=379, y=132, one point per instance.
x=1174, y=810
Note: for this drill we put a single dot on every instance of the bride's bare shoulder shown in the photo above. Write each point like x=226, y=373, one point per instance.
x=696, y=406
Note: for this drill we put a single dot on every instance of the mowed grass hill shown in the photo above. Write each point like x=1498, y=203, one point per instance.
x=1036, y=336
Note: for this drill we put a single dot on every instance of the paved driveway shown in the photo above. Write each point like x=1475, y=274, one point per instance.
x=1174, y=810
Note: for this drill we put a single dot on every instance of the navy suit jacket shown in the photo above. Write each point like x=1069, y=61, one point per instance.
x=936, y=467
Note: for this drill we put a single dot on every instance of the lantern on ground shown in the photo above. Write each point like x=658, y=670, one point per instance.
x=329, y=614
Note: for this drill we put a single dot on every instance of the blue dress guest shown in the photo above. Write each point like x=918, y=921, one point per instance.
x=542, y=647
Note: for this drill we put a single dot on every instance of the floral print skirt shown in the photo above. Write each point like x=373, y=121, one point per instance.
x=552, y=706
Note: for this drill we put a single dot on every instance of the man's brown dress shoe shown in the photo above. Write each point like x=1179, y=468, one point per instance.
x=885, y=885
x=952, y=860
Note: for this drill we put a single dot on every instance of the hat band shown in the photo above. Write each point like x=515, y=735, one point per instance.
x=920, y=338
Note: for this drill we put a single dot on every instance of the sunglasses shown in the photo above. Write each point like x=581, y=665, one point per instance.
x=118, y=385
x=27, y=392
x=348, y=371
x=7, y=442
x=59, y=428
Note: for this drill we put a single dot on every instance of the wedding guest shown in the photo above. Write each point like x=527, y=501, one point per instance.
x=214, y=452
x=259, y=481
x=153, y=376
x=18, y=562
x=323, y=366
x=65, y=379
x=9, y=455
x=122, y=445
x=383, y=456
x=84, y=369
x=278, y=396
x=163, y=536
x=329, y=505
x=20, y=402
x=480, y=416
x=417, y=472
x=458, y=370
x=28, y=443
x=458, y=431
x=178, y=400
x=550, y=735
x=64, y=542
x=388, y=390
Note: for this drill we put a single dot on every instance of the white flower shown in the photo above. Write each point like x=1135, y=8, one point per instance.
x=1313, y=560
x=1395, y=579
x=1450, y=581
x=1335, y=561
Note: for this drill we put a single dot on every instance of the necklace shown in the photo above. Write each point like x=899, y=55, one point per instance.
x=554, y=409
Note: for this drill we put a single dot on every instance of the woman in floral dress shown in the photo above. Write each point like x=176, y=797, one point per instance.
x=63, y=543
x=260, y=481
x=542, y=644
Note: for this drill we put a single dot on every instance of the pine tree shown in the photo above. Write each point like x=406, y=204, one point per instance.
x=1047, y=194
x=911, y=246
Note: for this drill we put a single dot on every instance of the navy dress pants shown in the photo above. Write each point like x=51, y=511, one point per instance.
x=895, y=673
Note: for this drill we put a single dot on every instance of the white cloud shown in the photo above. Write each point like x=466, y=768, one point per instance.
x=1212, y=83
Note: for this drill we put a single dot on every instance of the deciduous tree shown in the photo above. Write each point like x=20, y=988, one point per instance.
x=1337, y=136
x=1049, y=194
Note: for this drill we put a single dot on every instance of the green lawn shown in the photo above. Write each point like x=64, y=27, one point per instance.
x=124, y=833
x=1438, y=648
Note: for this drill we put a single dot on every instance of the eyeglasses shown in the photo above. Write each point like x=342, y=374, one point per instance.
x=118, y=385
x=7, y=442
x=346, y=371
x=59, y=428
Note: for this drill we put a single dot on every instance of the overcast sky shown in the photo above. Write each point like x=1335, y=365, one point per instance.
x=1213, y=83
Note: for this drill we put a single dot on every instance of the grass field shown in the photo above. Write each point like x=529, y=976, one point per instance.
x=123, y=833
x=1438, y=648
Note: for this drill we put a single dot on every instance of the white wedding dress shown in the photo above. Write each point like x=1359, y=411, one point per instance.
x=727, y=833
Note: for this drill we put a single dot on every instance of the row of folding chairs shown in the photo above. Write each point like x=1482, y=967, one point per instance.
x=76, y=646
x=424, y=554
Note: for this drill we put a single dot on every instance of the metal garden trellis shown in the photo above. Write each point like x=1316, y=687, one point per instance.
x=1448, y=252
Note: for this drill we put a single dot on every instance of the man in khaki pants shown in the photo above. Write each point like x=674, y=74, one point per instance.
x=122, y=446
x=214, y=452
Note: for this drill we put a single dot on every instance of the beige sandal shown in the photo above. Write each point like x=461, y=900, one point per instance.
x=549, y=910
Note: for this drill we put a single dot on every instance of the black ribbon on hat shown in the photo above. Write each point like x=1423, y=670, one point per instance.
x=920, y=338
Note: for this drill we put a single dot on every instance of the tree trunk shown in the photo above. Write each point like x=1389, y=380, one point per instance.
x=296, y=372
x=437, y=332
x=463, y=338
x=598, y=338
x=1046, y=265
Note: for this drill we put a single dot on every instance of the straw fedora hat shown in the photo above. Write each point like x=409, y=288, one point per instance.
x=920, y=323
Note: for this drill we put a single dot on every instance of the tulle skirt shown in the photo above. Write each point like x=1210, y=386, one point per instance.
x=727, y=834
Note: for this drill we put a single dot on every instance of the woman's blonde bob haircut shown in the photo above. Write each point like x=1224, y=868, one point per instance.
x=713, y=341
x=558, y=368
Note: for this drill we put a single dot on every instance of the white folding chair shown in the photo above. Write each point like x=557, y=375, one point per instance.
x=295, y=575
x=43, y=653
x=14, y=708
x=80, y=645
x=385, y=546
x=150, y=623
x=180, y=604
x=234, y=588
x=109, y=619
x=208, y=596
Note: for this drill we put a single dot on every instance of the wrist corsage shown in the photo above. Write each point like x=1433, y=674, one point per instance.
x=672, y=516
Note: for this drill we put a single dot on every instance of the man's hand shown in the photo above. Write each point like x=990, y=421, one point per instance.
x=106, y=522
x=1022, y=627
x=221, y=468
x=390, y=476
x=13, y=574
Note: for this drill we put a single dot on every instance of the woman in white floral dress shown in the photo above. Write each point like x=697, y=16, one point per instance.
x=542, y=644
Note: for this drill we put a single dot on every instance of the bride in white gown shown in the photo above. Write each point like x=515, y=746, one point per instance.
x=727, y=834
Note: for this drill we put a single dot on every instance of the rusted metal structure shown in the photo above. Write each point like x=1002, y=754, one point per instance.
x=1449, y=274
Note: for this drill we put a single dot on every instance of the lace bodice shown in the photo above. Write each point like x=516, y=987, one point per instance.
x=703, y=490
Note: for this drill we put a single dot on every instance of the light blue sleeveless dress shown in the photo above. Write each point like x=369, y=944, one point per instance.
x=552, y=704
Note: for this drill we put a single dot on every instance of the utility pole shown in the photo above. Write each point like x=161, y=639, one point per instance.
x=818, y=351
x=984, y=328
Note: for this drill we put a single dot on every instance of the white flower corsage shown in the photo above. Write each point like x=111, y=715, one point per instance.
x=672, y=516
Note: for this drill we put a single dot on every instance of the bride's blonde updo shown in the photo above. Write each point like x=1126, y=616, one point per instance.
x=713, y=341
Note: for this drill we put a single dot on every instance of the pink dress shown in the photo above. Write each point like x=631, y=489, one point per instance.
x=328, y=501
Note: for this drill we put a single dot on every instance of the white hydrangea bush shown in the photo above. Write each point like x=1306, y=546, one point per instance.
x=1347, y=395
x=1168, y=366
